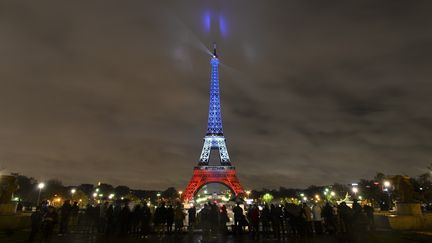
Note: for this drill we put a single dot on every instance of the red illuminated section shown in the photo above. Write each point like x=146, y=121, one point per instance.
x=202, y=175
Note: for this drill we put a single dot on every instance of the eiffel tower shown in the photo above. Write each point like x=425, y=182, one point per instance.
x=205, y=173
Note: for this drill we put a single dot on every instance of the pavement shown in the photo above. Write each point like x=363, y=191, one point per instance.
x=377, y=236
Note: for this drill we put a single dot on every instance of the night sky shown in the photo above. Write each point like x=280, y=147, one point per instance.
x=313, y=92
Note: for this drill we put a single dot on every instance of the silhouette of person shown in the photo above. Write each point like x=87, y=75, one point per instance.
x=124, y=220
x=169, y=218
x=65, y=213
x=276, y=214
x=238, y=218
x=36, y=223
x=265, y=220
x=74, y=213
x=192, y=217
x=49, y=220
x=329, y=219
x=254, y=220
x=145, y=220
x=179, y=217
x=223, y=219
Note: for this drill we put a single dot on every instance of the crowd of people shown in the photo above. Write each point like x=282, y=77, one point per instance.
x=140, y=220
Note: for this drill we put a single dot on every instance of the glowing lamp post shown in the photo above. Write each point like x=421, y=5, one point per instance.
x=355, y=190
x=73, y=190
x=387, y=186
x=40, y=187
x=180, y=194
x=248, y=192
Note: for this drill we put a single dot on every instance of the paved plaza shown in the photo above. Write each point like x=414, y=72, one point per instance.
x=379, y=236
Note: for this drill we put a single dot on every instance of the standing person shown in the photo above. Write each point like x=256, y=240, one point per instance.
x=369, y=211
x=265, y=220
x=36, y=223
x=49, y=220
x=160, y=218
x=276, y=215
x=253, y=215
x=306, y=213
x=102, y=220
x=214, y=218
x=124, y=220
x=345, y=217
x=192, y=218
x=109, y=216
x=169, y=218
x=329, y=219
x=238, y=218
x=65, y=213
x=75, y=214
x=135, y=219
x=204, y=219
x=223, y=220
x=179, y=217
x=317, y=219
x=145, y=220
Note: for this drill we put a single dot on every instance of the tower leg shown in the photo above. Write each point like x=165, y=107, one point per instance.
x=208, y=174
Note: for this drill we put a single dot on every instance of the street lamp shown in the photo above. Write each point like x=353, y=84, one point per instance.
x=73, y=190
x=40, y=186
x=248, y=192
x=355, y=190
x=387, y=186
x=180, y=193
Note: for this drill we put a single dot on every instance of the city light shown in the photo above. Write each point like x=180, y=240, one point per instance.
x=111, y=196
x=332, y=193
x=41, y=185
x=387, y=184
x=355, y=190
x=95, y=194
x=73, y=191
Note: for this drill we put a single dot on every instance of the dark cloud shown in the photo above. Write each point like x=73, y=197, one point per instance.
x=312, y=93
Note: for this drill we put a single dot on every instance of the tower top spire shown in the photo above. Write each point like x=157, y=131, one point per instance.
x=214, y=49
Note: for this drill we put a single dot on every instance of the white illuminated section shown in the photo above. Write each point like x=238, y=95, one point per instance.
x=214, y=142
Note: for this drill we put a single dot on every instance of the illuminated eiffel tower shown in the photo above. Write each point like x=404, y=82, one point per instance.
x=205, y=173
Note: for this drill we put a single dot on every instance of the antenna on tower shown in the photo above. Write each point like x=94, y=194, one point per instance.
x=214, y=49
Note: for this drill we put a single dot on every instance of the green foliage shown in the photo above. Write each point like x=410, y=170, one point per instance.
x=267, y=198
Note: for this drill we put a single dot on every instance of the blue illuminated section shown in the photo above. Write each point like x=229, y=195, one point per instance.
x=223, y=28
x=214, y=125
x=207, y=21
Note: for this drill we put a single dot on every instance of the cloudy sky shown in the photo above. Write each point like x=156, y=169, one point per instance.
x=313, y=92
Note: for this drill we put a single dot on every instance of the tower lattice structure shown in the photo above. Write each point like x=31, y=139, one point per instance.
x=205, y=172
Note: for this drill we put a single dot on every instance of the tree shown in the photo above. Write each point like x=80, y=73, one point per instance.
x=170, y=193
x=27, y=188
x=88, y=189
x=121, y=191
x=54, y=187
x=105, y=188
x=267, y=198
